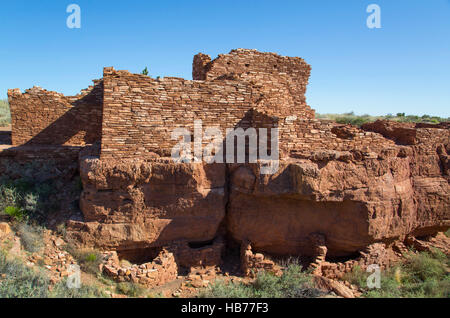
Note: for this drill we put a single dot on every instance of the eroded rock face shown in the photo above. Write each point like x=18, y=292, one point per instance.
x=352, y=198
x=136, y=204
x=351, y=203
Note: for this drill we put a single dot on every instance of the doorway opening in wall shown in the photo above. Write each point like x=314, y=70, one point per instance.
x=139, y=255
x=343, y=258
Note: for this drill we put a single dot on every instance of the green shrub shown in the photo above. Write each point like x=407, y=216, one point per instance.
x=9, y=196
x=21, y=281
x=31, y=202
x=130, y=289
x=292, y=284
x=424, y=266
x=221, y=289
x=91, y=257
x=420, y=275
x=16, y=213
x=30, y=191
x=88, y=259
x=357, y=277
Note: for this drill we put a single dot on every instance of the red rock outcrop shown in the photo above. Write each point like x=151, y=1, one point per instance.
x=137, y=204
x=352, y=198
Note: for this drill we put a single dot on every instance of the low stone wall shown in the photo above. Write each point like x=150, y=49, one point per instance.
x=41, y=117
x=163, y=269
x=191, y=255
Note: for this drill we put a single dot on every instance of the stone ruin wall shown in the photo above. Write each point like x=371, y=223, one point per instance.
x=282, y=80
x=41, y=117
x=134, y=115
x=242, y=89
x=140, y=113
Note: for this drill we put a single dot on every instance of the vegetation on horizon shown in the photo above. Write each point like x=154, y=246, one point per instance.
x=358, y=120
x=5, y=115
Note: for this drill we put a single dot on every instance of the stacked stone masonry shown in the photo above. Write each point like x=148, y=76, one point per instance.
x=133, y=116
x=41, y=117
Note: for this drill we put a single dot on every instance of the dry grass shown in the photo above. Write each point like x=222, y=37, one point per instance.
x=5, y=115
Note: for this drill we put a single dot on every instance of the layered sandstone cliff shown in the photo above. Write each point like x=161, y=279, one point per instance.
x=352, y=198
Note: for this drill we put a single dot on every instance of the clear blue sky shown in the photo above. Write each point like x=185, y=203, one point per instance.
x=403, y=67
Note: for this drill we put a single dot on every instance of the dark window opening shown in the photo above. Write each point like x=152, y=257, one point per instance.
x=196, y=245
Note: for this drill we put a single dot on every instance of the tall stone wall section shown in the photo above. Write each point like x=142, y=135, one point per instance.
x=283, y=80
x=140, y=113
x=41, y=117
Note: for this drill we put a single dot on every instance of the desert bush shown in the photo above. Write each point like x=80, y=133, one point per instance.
x=26, y=192
x=222, y=289
x=31, y=202
x=124, y=263
x=420, y=275
x=5, y=115
x=357, y=276
x=88, y=259
x=20, y=281
x=130, y=289
x=61, y=290
x=294, y=283
x=425, y=266
x=9, y=196
x=31, y=237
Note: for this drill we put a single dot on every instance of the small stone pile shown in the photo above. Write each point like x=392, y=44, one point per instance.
x=53, y=258
x=161, y=270
x=201, y=277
